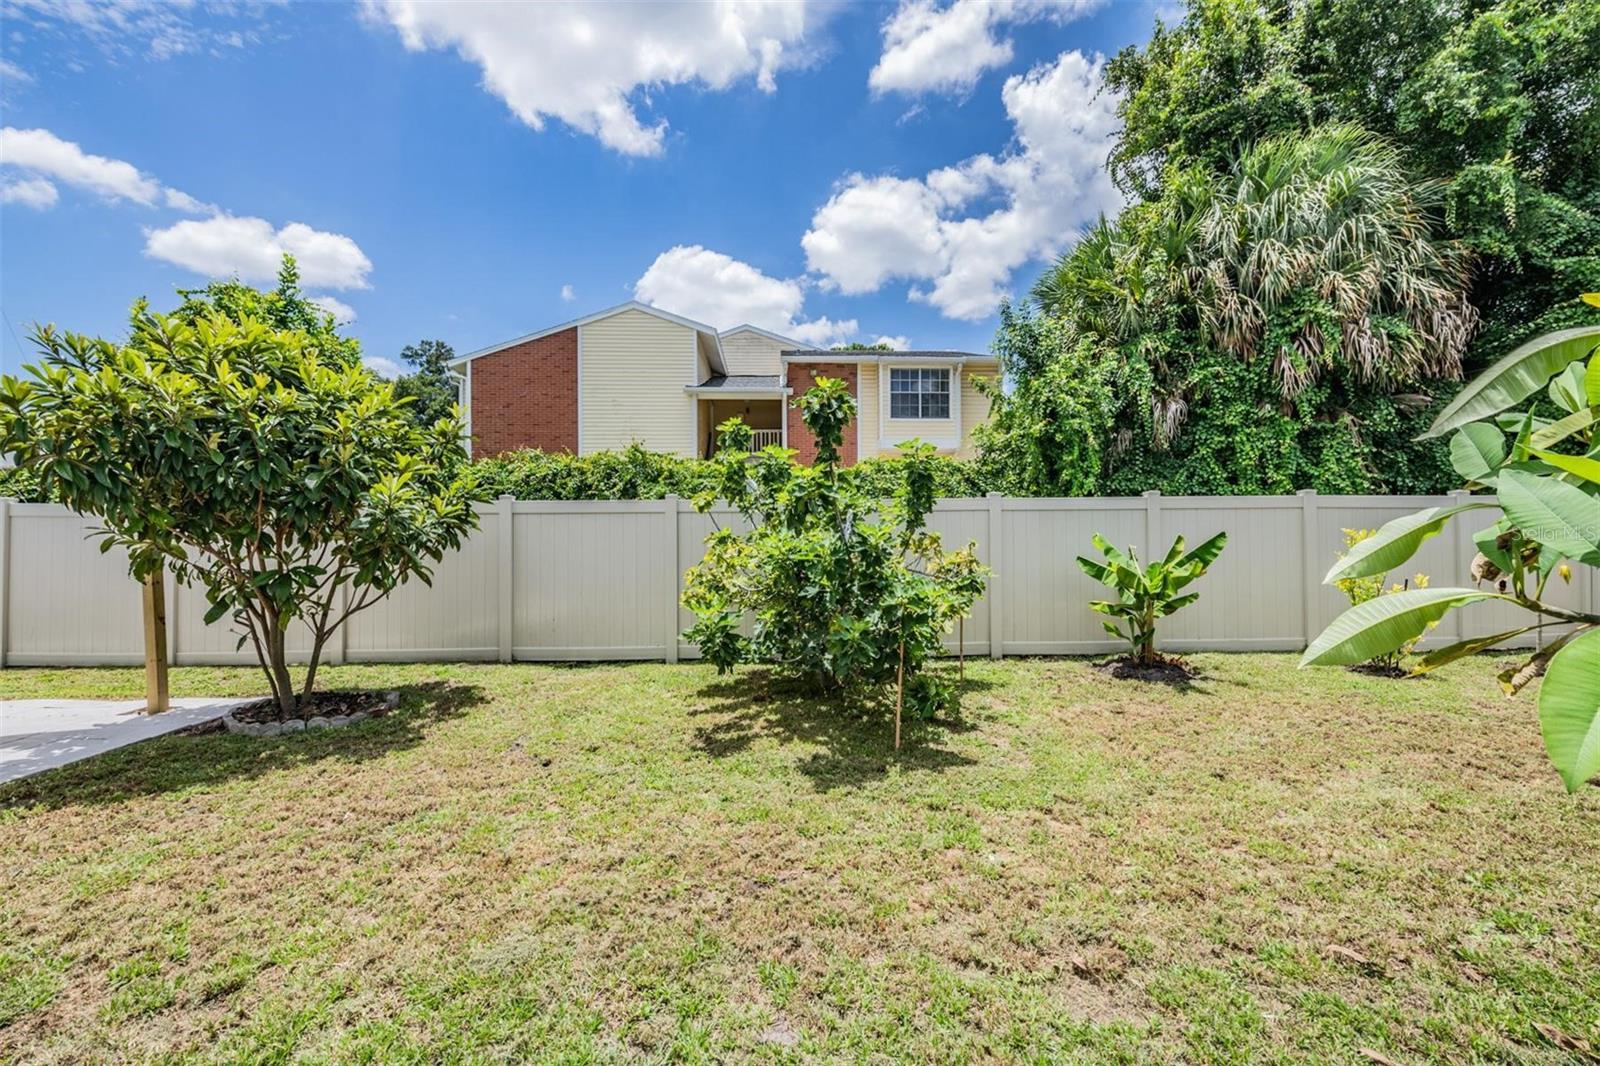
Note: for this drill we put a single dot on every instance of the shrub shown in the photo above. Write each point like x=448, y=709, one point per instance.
x=635, y=473
x=1359, y=590
x=844, y=590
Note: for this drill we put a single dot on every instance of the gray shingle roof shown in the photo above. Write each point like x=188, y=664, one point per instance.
x=741, y=381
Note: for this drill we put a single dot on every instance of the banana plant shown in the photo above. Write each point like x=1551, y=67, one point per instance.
x=1148, y=593
x=1546, y=475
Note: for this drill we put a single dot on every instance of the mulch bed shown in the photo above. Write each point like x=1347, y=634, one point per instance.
x=1166, y=670
x=321, y=705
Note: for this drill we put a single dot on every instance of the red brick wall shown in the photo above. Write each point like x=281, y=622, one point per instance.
x=526, y=396
x=801, y=377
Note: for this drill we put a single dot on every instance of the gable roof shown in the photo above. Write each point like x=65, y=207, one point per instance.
x=631, y=305
x=787, y=342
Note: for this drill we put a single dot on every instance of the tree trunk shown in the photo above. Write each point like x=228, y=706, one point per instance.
x=278, y=671
x=311, y=668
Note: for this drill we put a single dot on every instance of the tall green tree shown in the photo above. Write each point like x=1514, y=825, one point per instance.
x=285, y=307
x=1498, y=100
x=431, y=385
x=1270, y=325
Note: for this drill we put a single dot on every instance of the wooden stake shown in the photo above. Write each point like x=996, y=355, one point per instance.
x=961, y=648
x=156, y=697
x=900, y=698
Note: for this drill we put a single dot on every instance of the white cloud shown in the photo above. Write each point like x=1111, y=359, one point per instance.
x=1048, y=187
x=43, y=153
x=723, y=292
x=567, y=295
x=162, y=28
x=929, y=48
x=382, y=366
x=36, y=193
x=343, y=314
x=227, y=245
x=9, y=71
x=899, y=344
x=592, y=65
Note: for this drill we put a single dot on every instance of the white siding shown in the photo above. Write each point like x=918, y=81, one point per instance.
x=748, y=352
x=632, y=369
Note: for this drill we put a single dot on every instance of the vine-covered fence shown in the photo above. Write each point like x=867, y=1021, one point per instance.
x=600, y=580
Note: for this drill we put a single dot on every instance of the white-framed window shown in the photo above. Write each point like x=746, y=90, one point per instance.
x=919, y=392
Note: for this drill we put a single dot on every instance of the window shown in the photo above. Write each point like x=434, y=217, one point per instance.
x=923, y=392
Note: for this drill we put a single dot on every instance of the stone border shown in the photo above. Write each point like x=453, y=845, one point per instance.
x=391, y=700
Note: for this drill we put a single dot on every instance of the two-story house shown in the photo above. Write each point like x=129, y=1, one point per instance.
x=638, y=373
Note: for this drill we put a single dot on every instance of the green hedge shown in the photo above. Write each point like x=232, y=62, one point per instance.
x=21, y=485
x=630, y=474
x=636, y=474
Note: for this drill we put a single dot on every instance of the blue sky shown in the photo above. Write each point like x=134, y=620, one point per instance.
x=475, y=171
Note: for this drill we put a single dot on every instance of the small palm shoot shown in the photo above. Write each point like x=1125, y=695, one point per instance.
x=1146, y=594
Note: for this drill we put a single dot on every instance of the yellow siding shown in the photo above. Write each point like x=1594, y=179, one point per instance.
x=867, y=409
x=632, y=368
x=885, y=432
x=751, y=353
x=974, y=405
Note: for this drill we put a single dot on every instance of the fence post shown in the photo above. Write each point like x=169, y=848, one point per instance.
x=1152, y=525
x=669, y=511
x=997, y=617
x=5, y=574
x=1465, y=551
x=1308, y=550
x=507, y=574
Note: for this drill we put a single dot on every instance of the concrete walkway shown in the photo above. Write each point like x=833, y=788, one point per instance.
x=39, y=735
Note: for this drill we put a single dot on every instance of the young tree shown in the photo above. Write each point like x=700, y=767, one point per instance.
x=1147, y=594
x=844, y=597
x=431, y=386
x=287, y=484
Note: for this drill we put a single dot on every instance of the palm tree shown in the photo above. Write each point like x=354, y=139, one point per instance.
x=1315, y=251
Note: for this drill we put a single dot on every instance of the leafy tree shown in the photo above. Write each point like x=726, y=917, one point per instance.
x=1261, y=328
x=291, y=486
x=432, y=385
x=844, y=597
x=282, y=308
x=1494, y=99
x=1547, y=479
x=1147, y=594
x=1048, y=433
x=858, y=346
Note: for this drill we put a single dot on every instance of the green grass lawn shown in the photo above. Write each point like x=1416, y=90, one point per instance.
x=647, y=863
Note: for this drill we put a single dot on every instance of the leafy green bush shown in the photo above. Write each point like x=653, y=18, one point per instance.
x=844, y=590
x=1146, y=594
x=635, y=473
x=24, y=485
x=1547, y=478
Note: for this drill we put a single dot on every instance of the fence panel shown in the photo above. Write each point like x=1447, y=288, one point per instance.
x=602, y=580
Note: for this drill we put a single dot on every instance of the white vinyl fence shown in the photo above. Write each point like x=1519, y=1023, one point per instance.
x=600, y=580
